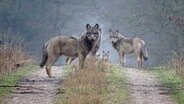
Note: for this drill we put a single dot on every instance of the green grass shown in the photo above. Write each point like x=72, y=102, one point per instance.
x=117, y=92
x=170, y=79
x=8, y=81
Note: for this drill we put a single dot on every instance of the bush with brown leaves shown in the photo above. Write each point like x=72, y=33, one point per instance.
x=12, y=54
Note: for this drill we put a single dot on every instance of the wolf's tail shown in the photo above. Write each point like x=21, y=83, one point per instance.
x=144, y=52
x=44, y=57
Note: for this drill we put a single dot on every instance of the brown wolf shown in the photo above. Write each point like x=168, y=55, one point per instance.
x=125, y=45
x=70, y=46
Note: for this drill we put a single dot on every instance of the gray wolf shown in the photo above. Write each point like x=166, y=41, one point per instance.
x=105, y=56
x=125, y=45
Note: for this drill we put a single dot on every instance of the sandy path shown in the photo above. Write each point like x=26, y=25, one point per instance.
x=145, y=88
x=36, y=88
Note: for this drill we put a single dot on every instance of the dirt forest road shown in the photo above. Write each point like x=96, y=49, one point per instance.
x=146, y=89
x=37, y=88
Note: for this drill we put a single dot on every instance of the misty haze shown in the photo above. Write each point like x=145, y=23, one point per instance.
x=37, y=21
x=26, y=26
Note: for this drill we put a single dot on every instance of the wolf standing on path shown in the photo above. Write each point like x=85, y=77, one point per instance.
x=94, y=49
x=124, y=46
x=70, y=46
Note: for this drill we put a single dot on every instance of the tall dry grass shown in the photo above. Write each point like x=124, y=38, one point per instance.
x=84, y=86
x=12, y=53
x=95, y=84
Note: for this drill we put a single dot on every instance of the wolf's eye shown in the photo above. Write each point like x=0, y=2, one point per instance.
x=96, y=33
x=88, y=32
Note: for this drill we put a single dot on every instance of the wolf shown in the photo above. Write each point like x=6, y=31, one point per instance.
x=95, y=48
x=105, y=56
x=125, y=45
x=103, y=63
x=70, y=46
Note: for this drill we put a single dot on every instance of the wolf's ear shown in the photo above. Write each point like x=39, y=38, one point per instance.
x=108, y=52
x=88, y=26
x=96, y=26
x=100, y=29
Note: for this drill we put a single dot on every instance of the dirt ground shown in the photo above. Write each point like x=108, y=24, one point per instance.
x=36, y=88
x=145, y=88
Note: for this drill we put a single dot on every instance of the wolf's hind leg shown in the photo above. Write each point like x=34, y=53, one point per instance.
x=120, y=58
x=49, y=64
x=123, y=59
x=139, y=62
x=69, y=61
x=139, y=58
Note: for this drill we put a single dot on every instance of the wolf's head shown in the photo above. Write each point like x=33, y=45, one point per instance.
x=92, y=35
x=113, y=36
x=105, y=56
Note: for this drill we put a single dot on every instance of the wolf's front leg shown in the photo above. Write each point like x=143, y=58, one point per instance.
x=120, y=59
x=81, y=60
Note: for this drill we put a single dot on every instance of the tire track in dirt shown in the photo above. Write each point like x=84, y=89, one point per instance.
x=36, y=88
x=145, y=88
